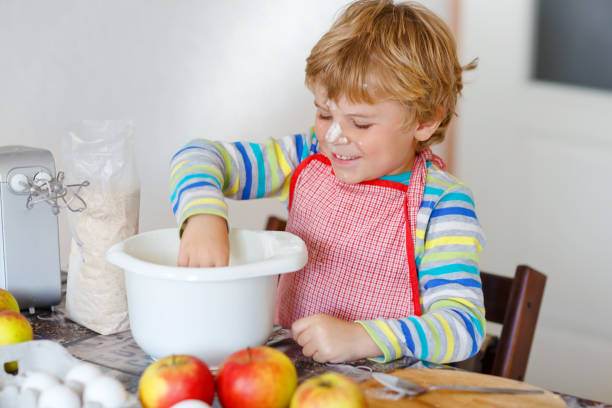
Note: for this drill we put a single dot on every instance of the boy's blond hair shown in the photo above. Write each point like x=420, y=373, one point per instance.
x=377, y=50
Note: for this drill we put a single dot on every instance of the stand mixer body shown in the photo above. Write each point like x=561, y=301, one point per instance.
x=29, y=241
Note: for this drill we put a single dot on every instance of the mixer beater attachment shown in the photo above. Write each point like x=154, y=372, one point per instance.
x=55, y=193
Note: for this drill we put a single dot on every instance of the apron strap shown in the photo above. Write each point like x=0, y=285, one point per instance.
x=430, y=156
x=416, y=187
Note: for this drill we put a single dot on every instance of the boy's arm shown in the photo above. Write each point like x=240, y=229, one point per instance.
x=203, y=172
x=452, y=325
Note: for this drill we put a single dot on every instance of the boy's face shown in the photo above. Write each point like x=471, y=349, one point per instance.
x=365, y=142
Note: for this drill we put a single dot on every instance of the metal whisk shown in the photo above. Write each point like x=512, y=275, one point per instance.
x=56, y=194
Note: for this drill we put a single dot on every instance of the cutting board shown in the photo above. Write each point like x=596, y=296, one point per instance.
x=454, y=399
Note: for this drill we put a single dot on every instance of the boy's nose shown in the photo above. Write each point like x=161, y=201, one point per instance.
x=334, y=134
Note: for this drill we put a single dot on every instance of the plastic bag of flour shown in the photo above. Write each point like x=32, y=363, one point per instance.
x=102, y=153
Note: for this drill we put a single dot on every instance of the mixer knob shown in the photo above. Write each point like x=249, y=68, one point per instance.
x=19, y=183
x=41, y=178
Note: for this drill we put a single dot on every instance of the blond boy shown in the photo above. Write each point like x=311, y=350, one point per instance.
x=393, y=239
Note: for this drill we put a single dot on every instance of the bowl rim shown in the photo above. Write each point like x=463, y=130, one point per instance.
x=291, y=256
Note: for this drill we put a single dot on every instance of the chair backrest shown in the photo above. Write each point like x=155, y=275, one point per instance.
x=275, y=224
x=514, y=303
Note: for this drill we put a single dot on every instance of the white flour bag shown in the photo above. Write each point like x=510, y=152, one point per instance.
x=102, y=153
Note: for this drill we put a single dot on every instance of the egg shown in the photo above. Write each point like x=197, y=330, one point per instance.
x=106, y=391
x=191, y=404
x=79, y=375
x=39, y=381
x=59, y=396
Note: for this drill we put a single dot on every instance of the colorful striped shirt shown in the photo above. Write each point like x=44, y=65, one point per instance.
x=447, y=249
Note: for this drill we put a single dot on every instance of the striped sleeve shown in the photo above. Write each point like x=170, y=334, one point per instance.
x=204, y=172
x=449, y=240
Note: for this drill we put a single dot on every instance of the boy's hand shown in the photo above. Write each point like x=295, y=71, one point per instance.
x=328, y=339
x=205, y=242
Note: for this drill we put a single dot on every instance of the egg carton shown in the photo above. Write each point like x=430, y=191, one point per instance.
x=38, y=355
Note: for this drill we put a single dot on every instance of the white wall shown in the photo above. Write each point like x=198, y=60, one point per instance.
x=180, y=70
x=539, y=157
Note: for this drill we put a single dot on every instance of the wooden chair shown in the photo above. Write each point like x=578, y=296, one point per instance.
x=512, y=302
x=515, y=304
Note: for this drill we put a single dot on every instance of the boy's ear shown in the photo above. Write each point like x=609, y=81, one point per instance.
x=425, y=129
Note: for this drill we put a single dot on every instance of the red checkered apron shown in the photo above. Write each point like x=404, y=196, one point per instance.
x=360, y=240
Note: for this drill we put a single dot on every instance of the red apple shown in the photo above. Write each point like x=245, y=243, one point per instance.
x=173, y=379
x=14, y=328
x=7, y=301
x=329, y=390
x=256, y=377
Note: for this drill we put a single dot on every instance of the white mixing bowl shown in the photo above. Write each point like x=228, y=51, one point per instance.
x=206, y=312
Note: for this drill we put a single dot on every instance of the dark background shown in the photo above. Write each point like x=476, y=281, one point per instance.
x=573, y=42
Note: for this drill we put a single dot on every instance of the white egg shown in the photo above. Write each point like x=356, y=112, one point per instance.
x=59, y=396
x=79, y=375
x=39, y=381
x=191, y=404
x=106, y=391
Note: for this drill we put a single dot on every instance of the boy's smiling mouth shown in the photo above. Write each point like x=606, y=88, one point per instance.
x=345, y=156
x=344, y=159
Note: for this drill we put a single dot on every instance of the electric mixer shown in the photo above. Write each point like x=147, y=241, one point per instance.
x=29, y=241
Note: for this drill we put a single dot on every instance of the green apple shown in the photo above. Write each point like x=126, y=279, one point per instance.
x=14, y=328
x=7, y=301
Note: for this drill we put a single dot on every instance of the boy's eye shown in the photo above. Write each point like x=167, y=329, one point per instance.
x=362, y=125
x=324, y=117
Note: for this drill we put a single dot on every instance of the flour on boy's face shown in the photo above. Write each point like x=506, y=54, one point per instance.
x=363, y=141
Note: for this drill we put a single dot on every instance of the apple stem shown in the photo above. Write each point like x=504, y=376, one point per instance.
x=250, y=355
